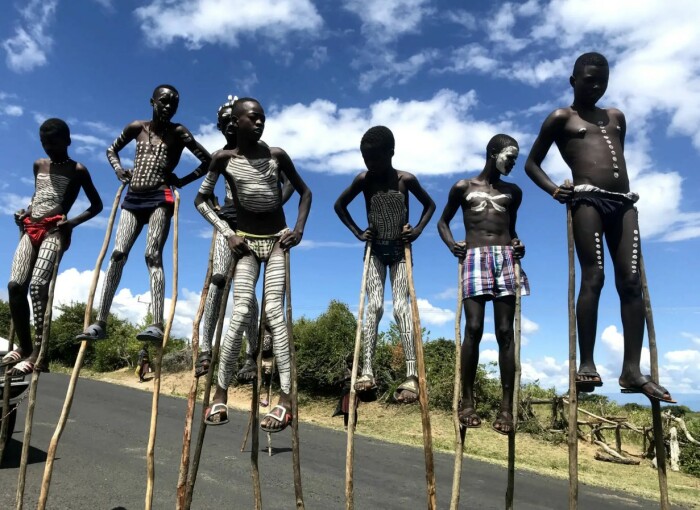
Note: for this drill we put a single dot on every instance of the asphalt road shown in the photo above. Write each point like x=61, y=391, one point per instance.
x=101, y=463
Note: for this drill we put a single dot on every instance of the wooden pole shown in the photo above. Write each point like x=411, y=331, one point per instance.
x=293, y=375
x=192, y=475
x=352, y=411
x=150, y=449
x=247, y=430
x=254, y=417
x=422, y=383
x=457, y=397
x=68, y=402
x=655, y=405
x=194, y=386
x=7, y=383
x=573, y=396
x=510, y=492
x=19, y=500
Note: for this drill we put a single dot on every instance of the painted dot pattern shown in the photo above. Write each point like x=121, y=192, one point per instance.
x=598, y=250
x=635, y=252
x=613, y=153
x=149, y=165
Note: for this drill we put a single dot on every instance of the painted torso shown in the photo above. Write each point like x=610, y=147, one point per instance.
x=57, y=188
x=388, y=214
x=487, y=213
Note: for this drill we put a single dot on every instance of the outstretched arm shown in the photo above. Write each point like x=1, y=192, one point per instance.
x=454, y=200
x=411, y=234
x=199, y=152
x=130, y=133
x=287, y=168
x=341, y=208
x=552, y=125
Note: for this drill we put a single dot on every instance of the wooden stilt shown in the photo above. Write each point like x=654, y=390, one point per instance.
x=655, y=405
x=510, y=492
x=422, y=384
x=254, y=417
x=296, y=461
x=150, y=450
x=247, y=430
x=65, y=412
x=573, y=396
x=7, y=382
x=352, y=412
x=456, y=399
x=194, y=468
x=19, y=500
x=194, y=386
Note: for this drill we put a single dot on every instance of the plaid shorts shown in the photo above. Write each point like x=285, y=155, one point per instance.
x=490, y=270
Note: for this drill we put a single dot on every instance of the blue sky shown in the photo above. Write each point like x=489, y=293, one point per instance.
x=443, y=75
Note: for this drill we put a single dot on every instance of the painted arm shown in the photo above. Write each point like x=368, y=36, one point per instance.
x=341, y=208
x=130, y=133
x=206, y=191
x=551, y=126
x=518, y=246
x=411, y=234
x=454, y=200
x=293, y=237
x=199, y=152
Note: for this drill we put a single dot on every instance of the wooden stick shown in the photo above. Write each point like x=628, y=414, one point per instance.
x=7, y=388
x=573, y=396
x=510, y=491
x=254, y=417
x=655, y=406
x=352, y=411
x=296, y=461
x=19, y=500
x=150, y=449
x=247, y=430
x=68, y=402
x=422, y=383
x=192, y=476
x=459, y=430
x=194, y=386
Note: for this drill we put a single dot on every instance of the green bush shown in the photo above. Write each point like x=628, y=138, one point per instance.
x=690, y=459
x=177, y=360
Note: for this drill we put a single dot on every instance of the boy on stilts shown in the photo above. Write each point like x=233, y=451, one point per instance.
x=254, y=175
x=489, y=210
x=221, y=262
x=386, y=192
x=591, y=141
x=148, y=201
x=46, y=234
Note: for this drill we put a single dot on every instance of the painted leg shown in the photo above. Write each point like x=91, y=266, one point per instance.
x=407, y=392
x=158, y=230
x=376, y=276
x=17, y=288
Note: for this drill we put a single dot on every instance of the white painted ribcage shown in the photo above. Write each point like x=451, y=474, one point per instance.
x=256, y=182
x=50, y=192
x=387, y=214
x=149, y=165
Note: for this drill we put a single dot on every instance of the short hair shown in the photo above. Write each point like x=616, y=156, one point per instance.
x=55, y=127
x=500, y=142
x=589, y=59
x=165, y=86
x=228, y=104
x=238, y=104
x=378, y=137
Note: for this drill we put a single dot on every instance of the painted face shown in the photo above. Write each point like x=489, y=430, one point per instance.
x=590, y=84
x=165, y=102
x=251, y=121
x=224, y=120
x=376, y=159
x=505, y=160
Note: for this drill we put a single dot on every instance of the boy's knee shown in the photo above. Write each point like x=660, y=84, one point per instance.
x=629, y=285
x=504, y=334
x=119, y=256
x=593, y=280
x=154, y=259
x=15, y=289
x=218, y=280
x=475, y=330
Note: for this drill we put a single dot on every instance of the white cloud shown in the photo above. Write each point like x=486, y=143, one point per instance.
x=13, y=110
x=681, y=367
x=528, y=326
x=462, y=17
x=201, y=22
x=488, y=355
x=387, y=70
x=322, y=137
x=246, y=78
x=12, y=202
x=432, y=315
x=691, y=336
x=28, y=48
x=385, y=20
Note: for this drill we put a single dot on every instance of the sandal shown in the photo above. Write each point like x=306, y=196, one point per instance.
x=280, y=414
x=645, y=385
x=587, y=380
x=151, y=334
x=217, y=414
x=24, y=367
x=407, y=392
x=201, y=367
x=503, y=424
x=93, y=332
x=11, y=358
x=366, y=388
x=468, y=418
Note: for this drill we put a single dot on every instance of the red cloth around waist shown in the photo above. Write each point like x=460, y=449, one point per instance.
x=38, y=230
